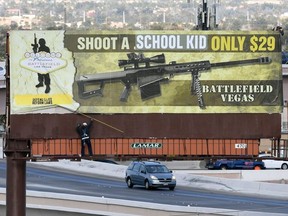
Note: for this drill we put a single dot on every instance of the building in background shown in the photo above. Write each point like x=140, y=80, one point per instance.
x=2, y=105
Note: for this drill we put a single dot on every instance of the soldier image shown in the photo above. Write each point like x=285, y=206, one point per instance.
x=43, y=78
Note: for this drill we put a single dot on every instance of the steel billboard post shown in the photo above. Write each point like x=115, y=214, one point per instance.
x=16, y=151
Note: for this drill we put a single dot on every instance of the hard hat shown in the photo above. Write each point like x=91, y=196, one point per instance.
x=84, y=124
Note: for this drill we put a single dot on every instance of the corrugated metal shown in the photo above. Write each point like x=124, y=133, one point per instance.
x=169, y=147
x=179, y=126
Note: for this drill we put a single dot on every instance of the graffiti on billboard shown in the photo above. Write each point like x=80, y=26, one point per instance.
x=145, y=72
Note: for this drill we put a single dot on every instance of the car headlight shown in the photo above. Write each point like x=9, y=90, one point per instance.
x=173, y=177
x=153, y=177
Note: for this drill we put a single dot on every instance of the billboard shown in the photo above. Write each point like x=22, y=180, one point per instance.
x=145, y=72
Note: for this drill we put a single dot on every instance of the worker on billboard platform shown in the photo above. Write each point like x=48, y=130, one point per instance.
x=84, y=132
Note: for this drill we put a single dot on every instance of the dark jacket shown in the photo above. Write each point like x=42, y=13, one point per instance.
x=84, y=131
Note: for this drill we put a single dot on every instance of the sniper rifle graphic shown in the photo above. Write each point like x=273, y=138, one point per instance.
x=35, y=44
x=138, y=70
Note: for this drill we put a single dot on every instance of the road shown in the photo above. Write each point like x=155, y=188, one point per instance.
x=47, y=179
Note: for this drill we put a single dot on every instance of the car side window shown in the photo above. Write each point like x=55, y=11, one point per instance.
x=136, y=167
x=142, y=169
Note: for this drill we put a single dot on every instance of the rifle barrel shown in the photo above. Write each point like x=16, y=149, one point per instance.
x=262, y=60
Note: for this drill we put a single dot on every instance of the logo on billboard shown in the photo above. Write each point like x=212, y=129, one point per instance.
x=41, y=60
x=146, y=145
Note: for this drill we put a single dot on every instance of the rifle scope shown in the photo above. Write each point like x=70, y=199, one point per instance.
x=139, y=59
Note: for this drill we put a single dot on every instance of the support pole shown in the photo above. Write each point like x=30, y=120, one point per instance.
x=16, y=151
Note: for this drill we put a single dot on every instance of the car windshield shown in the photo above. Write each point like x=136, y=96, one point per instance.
x=157, y=169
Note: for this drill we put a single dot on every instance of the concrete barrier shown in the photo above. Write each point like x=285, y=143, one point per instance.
x=51, y=204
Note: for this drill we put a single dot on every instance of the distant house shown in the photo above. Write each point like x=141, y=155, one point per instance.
x=26, y=21
x=13, y=12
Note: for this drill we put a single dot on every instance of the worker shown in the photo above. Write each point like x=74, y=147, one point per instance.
x=84, y=132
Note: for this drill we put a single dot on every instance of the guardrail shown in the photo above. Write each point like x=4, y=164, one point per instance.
x=51, y=204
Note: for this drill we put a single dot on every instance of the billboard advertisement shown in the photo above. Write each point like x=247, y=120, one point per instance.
x=145, y=72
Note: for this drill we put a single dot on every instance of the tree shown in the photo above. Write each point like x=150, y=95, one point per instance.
x=3, y=35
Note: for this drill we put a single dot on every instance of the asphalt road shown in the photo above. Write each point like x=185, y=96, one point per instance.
x=46, y=179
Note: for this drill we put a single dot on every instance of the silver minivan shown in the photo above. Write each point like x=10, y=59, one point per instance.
x=150, y=175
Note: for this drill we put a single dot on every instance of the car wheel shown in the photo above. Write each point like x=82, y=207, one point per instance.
x=129, y=183
x=171, y=188
x=284, y=166
x=147, y=186
x=223, y=167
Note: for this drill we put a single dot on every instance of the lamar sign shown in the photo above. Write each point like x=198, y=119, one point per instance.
x=146, y=145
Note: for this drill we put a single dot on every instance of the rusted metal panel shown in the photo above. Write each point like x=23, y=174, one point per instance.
x=204, y=126
x=152, y=147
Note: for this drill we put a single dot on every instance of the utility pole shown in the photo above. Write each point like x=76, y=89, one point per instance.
x=203, y=17
x=207, y=17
